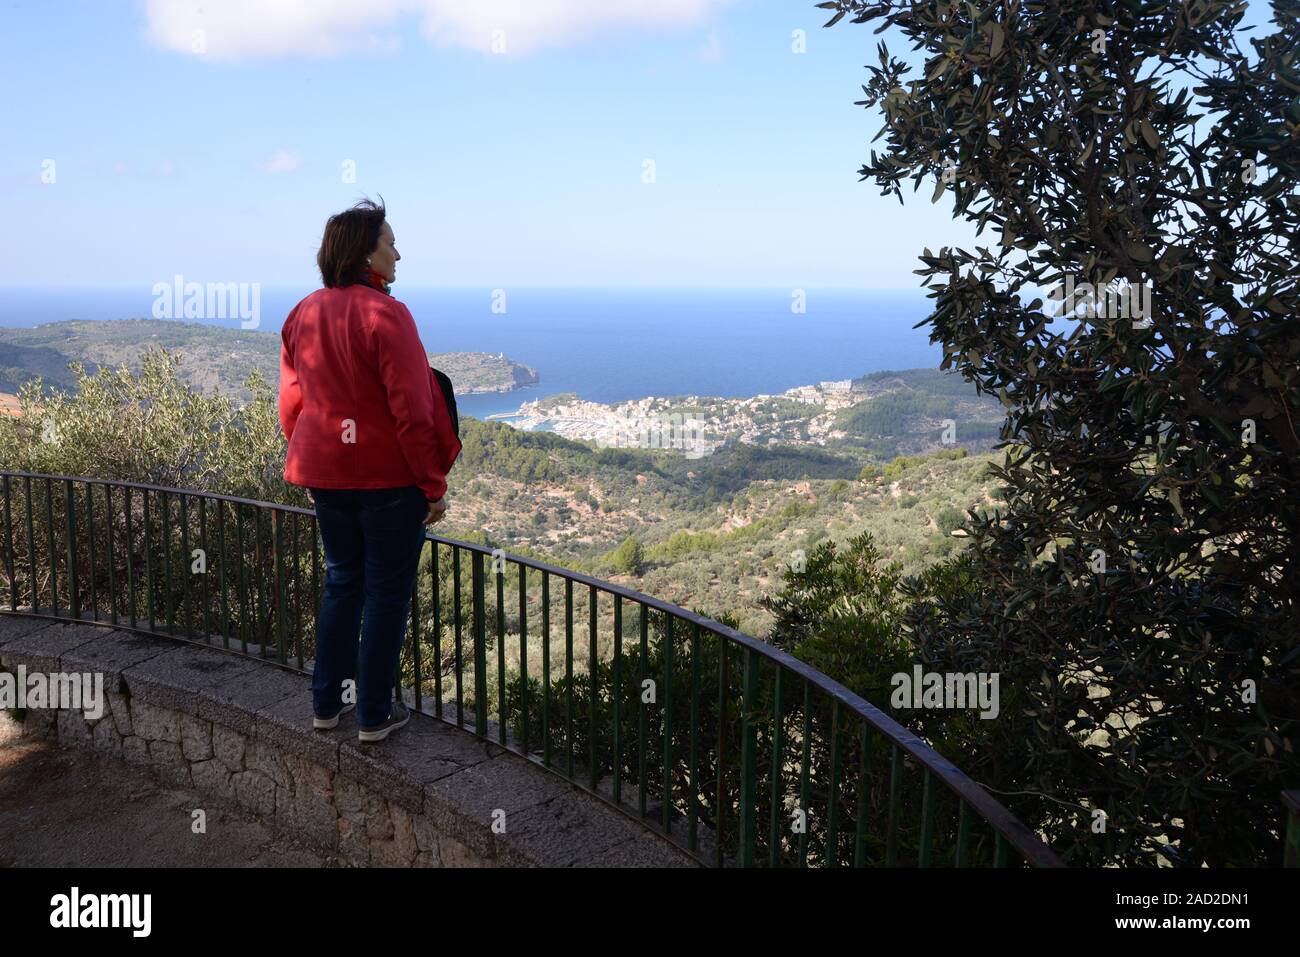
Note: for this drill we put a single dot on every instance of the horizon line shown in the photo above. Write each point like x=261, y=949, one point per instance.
x=523, y=285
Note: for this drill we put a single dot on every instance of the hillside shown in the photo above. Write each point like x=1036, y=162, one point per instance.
x=715, y=532
x=216, y=359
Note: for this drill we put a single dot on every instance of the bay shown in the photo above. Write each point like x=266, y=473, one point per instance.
x=606, y=345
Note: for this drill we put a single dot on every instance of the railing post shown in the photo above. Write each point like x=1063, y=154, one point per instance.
x=666, y=809
x=480, y=646
x=207, y=565
x=568, y=676
x=148, y=563
x=456, y=628
x=187, y=566
x=70, y=523
x=90, y=550
x=546, y=669
x=221, y=571
x=416, y=663
x=963, y=834
x=241, y=585
x=895, y=789
x=54, y=555
x=860, y=825
x=778, y=743
x=927, y=821
x=641, y=745
x=593, y=667
x=523, y=656
x=277, y=556
x=1291, y=853
x=169, y=612
x=616, y=696
x=31, y=543
x=112, y=565
x=749, y=762
x=9, y=550
x=833, y=798
x=724, y=687
x=692, y=795
x=804, y=773
x=435, y=587
x=503, y=718
x=130, y=559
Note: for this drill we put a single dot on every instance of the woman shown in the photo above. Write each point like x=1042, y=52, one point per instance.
x=371, y=440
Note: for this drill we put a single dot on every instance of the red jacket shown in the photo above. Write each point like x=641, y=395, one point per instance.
x=358, y=401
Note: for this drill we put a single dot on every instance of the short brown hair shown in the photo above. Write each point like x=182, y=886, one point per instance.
x=350, y=237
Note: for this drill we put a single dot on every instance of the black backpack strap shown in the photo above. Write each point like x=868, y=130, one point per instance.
x=448, y=396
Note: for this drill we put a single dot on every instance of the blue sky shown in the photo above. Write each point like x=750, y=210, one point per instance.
x=523, y=167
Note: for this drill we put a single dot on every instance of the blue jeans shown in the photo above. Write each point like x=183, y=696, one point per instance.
x=373, y=539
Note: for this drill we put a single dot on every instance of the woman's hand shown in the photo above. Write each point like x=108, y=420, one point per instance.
x=436, y=511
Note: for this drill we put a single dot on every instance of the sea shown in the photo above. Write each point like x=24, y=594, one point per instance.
x=606, y=345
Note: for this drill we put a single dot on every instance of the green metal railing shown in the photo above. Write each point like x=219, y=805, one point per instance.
x=735, y=751
x=1291, y=849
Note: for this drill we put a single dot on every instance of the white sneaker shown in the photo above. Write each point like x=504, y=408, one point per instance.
x=324, y=724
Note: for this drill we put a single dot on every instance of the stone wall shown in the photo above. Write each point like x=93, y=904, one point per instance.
x=238, y=730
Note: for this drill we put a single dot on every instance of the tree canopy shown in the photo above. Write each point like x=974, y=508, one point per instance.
x=1139, y=585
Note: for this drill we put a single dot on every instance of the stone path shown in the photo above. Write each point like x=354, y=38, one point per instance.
x=62, y=807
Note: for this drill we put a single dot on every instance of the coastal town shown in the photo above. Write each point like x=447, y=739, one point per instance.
x=695, y=425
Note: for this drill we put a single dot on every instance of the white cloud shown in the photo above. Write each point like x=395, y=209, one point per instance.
x=281, y=161
x=528, y=23
x=268, y=29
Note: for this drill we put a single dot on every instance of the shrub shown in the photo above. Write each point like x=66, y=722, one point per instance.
x=629, y=557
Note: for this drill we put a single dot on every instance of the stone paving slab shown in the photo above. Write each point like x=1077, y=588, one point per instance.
x=41, y=649
x=644, y=850
x=286, y=723
x=467, y=803
x=236, y=696
x=15, y=627
x=423, y=752
x=562, y=831
x=111, y=653
x=177, y=678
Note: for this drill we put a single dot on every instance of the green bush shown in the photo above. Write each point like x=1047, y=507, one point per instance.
x=949, y=519
x=149, y=427
x=629, y=557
